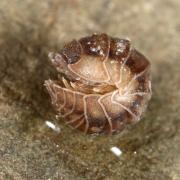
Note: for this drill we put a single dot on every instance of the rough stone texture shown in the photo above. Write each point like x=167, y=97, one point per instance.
x=28, y=148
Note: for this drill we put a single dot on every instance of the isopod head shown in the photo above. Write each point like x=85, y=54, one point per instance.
x=104, y=84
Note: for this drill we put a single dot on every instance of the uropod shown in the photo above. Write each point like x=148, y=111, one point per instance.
x=104, y=84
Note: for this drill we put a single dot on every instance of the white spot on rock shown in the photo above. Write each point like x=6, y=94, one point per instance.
x=53, y=126
x=116, y=151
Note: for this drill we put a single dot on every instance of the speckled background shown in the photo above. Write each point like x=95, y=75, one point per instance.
x=31, y=150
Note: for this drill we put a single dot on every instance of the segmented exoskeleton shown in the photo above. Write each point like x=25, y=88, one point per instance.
x=104, y=84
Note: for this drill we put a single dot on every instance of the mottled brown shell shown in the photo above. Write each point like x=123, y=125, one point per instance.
x=104, y=86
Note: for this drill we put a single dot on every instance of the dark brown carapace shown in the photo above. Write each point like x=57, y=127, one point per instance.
x=104, y=84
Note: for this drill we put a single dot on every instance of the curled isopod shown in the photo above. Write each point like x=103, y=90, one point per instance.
x=104, y=84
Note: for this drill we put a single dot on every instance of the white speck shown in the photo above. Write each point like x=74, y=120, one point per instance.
x=120, y=47
x=113, y=62
x=101, y=52
x=57, y=116
x=135, y=152
x=88, y=42
x=99, y=47
x=93, y=49
x=116, y=151
x=53, y=126
x=127, y=38
x=78, y=78
x=96, y=89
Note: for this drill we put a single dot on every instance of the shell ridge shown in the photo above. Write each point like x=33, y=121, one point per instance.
x=124, y=63
x=105, y=112
x=79, y=124
x=53, y=95
x=72, y=109
x=106, y=59
x=84, y=78
x=124, y=107
x=64, y=98
x=85, y=114
x=76, y=119
x=126, y=89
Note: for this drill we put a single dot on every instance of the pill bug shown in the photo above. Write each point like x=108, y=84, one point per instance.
x=104, y=84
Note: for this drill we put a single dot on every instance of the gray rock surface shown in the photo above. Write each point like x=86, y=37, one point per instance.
x=31, y=150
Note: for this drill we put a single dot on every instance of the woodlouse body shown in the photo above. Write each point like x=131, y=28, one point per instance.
x=105, y=84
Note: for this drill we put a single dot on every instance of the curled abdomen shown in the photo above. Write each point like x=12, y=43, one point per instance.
x=108, y=98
